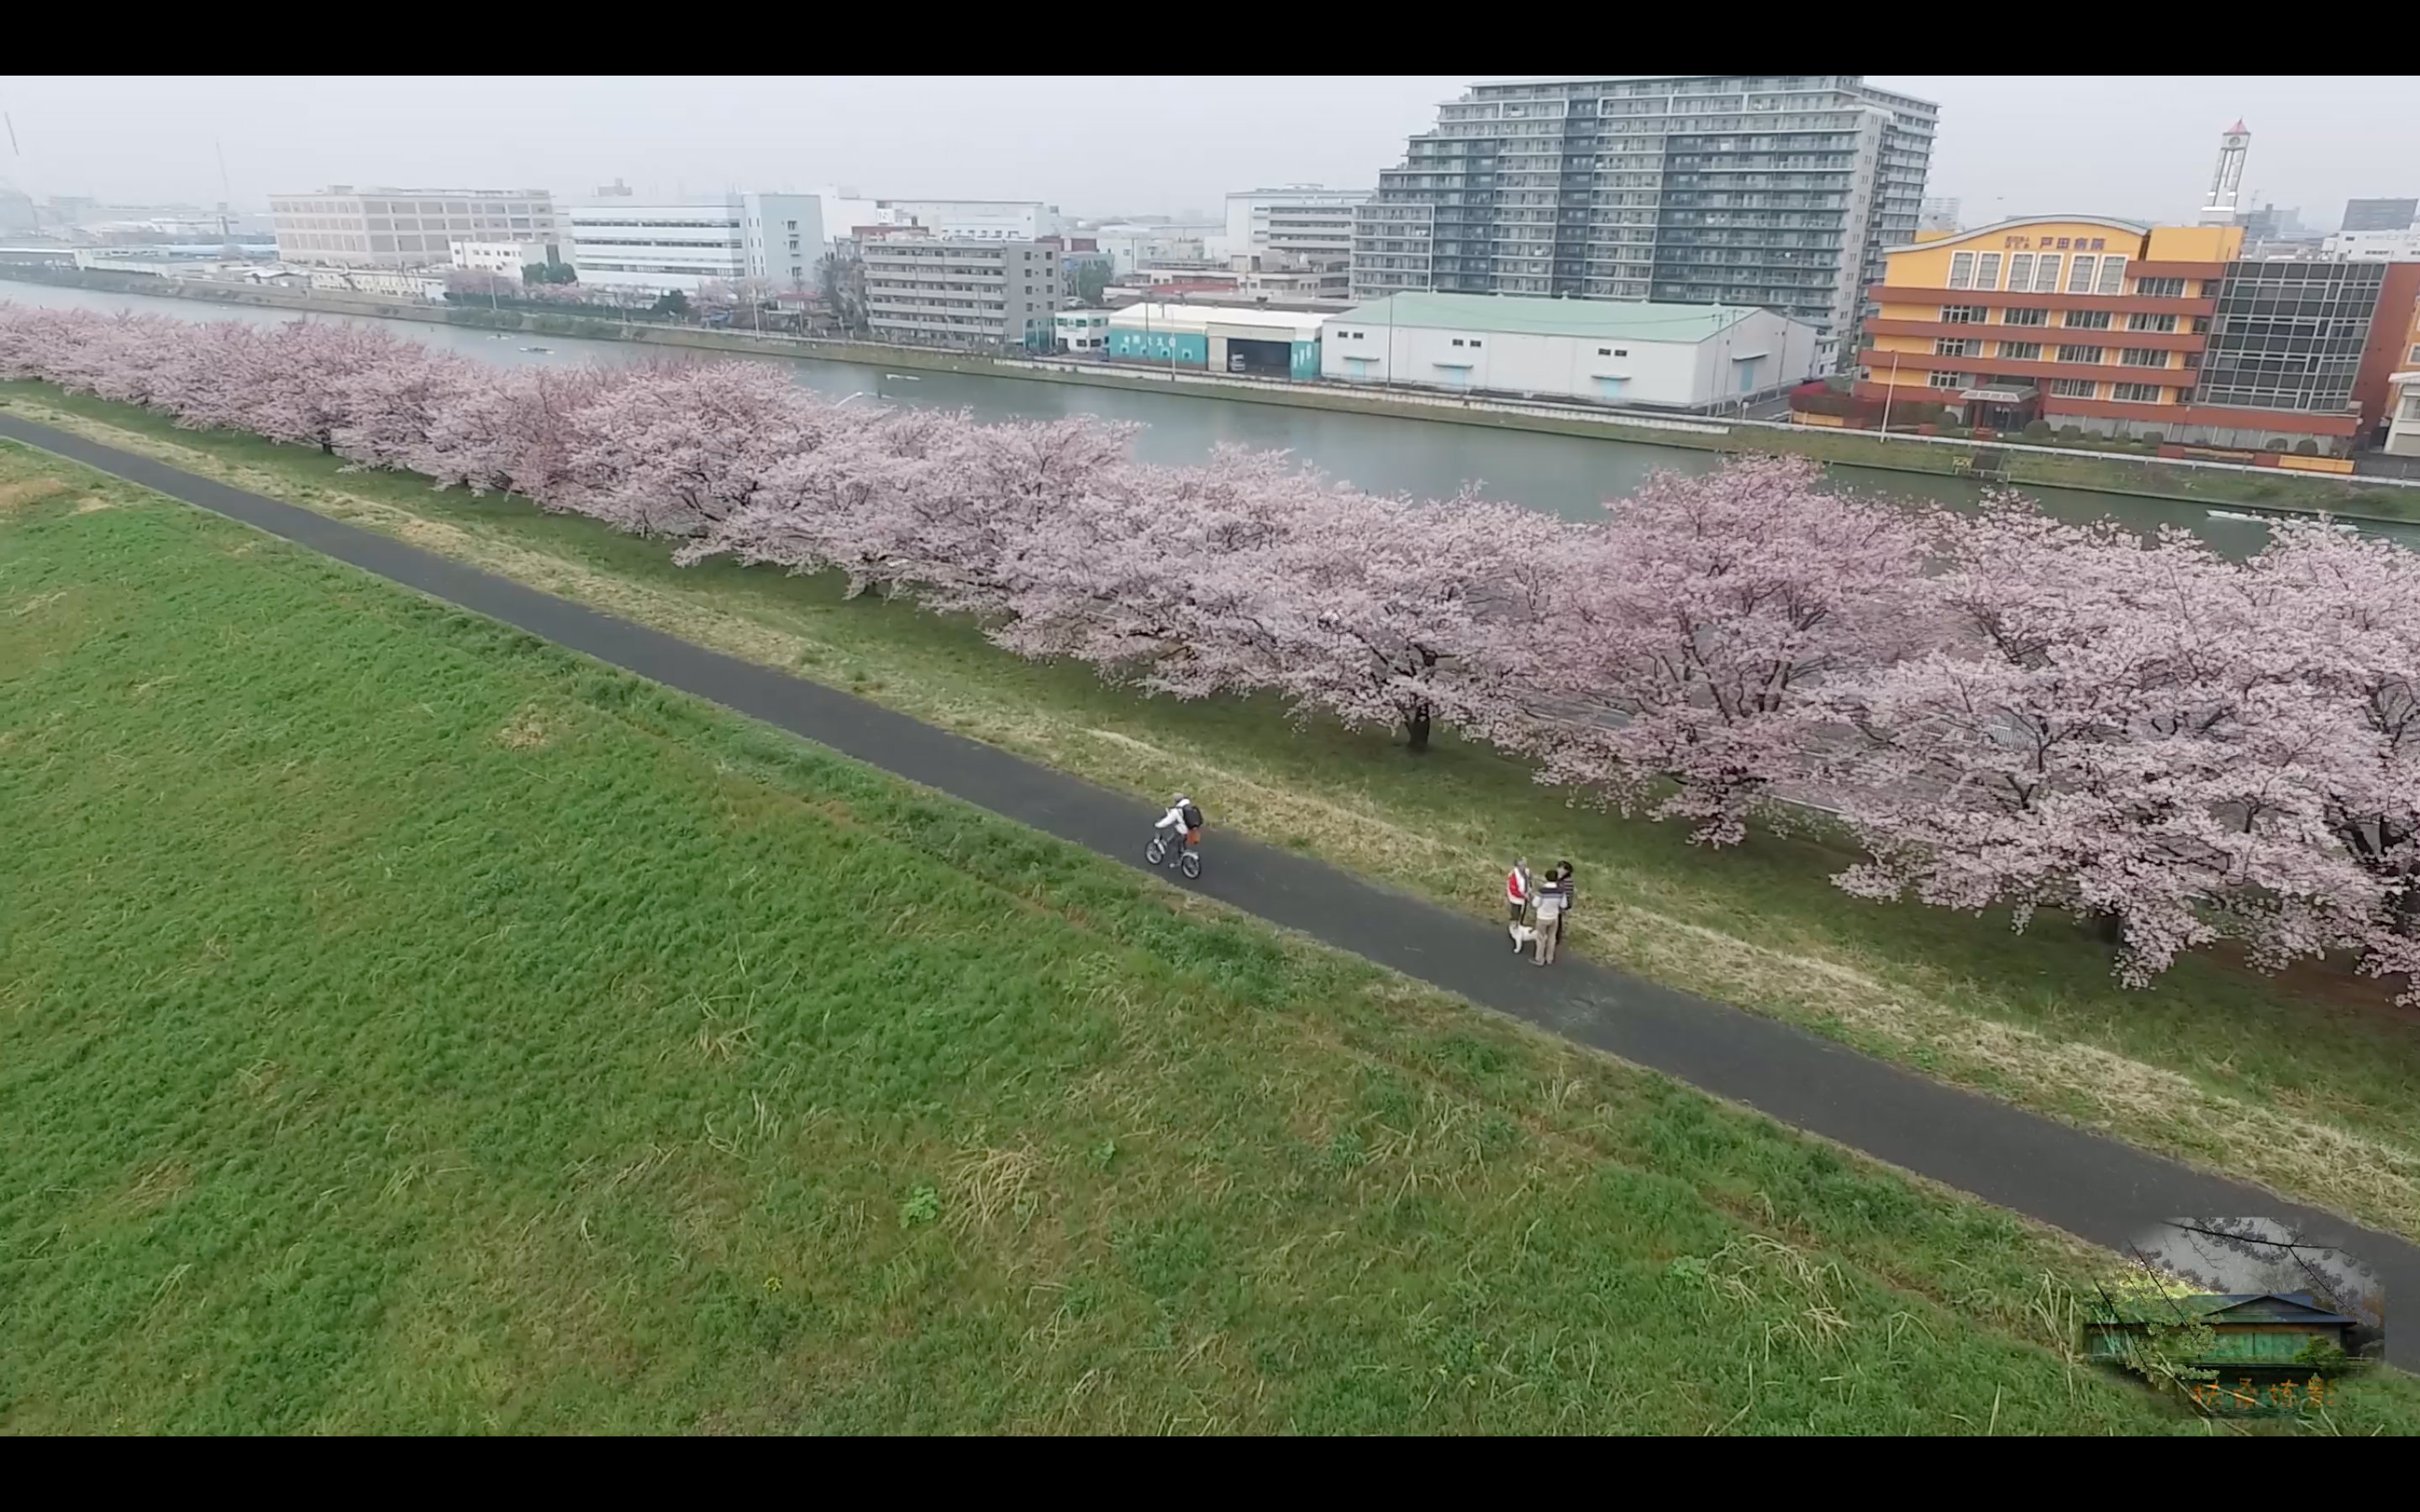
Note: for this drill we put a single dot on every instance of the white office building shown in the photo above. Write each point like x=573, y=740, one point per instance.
x=1680, y=357
x=1303, y=219
x=622, y=245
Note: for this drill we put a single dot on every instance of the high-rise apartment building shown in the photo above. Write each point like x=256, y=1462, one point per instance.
x=403, y=228
x=1778, y=190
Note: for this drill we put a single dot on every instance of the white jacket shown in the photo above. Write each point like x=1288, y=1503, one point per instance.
x=1173, y=819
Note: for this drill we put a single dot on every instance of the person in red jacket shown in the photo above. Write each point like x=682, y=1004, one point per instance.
x=1516, y=899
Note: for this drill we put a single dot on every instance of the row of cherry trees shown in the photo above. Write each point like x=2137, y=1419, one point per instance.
x=2005, y=710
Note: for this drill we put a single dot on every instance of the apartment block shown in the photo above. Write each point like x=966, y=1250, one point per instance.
x=341, y=227
x=1780, y=191
x=964, y=292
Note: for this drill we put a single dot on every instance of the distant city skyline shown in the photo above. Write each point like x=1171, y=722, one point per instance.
x=2141, y=147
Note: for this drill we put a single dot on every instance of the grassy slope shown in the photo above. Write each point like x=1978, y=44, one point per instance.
x=404, y=1024
x=2308, y=1083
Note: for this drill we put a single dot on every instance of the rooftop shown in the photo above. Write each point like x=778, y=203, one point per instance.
x=1199, y=317
x=1553, y=317
x=2138, y=227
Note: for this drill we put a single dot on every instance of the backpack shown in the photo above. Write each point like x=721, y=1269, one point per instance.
x=1192, y=817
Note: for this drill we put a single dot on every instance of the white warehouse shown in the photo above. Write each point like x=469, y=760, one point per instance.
x=1681, y=357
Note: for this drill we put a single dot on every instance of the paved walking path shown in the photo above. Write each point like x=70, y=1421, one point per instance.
x=2097, y=1188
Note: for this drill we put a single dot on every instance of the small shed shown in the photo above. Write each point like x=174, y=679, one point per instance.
x=2250, y=1331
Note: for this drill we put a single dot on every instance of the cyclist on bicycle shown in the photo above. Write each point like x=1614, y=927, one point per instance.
x=1184, y=821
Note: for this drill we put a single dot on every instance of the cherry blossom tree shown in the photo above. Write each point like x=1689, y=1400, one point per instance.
x=1682, y=641
x=671, y=448
x=2113, y=733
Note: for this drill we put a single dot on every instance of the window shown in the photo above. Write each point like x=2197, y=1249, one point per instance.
x=1956, y=346
x=1605, y=351
x=2150, y=322
x=1962, y=270
x=2045, y=274
x=2113, y=275
x=2025, y=318
x=1475, y=341
x=2161, y=289
x=1987, y=269
x=1625, y=352
x=2021, y=271
x=2135, y=393
x=1945, y=381
x=2087, y=320
x=1457, y=341
x=2079, y=354
x=1962, y=315
x=2079, y=275
x=2022, y=351
x=2414, y=355
x=2142, y=357
x=2072, y=388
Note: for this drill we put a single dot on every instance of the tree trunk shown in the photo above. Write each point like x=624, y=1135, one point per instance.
x=2109, y=927
x=1416, y=725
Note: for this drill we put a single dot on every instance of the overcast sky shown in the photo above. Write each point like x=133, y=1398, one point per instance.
x=2008, y=146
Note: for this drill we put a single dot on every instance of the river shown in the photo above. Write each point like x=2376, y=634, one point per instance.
x=1569, y=475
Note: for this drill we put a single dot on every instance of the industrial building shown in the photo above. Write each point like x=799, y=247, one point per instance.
x=339, y=227
x=2113, y=327
x=966, y=292
x=1219, y=339
x=1679, y=357
x=657, y=248
x=1780, y=191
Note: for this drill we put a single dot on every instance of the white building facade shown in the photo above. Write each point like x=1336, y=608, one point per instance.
x=661, y=249
x=387, y=283
x=1081, y=332
x=507, y=259
x=1677, y=357
x=2403, y=415
x=1301, y=218
x=2374, y=246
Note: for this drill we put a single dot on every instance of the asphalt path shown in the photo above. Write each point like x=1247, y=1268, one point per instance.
x=2097, y=1188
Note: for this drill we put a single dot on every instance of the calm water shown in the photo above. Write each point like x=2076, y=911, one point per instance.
x=1569, y=475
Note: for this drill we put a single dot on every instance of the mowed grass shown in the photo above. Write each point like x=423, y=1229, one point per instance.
x=405, y=1026
x=2309, y=1083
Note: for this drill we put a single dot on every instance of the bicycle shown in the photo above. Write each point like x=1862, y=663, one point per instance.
x=1188, y=859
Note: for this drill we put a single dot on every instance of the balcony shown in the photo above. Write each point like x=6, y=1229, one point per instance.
x=2005, y=300
x=2179, y=341
x=1912, y=366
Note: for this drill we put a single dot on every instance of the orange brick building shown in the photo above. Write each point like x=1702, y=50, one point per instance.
x=2107, y=327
